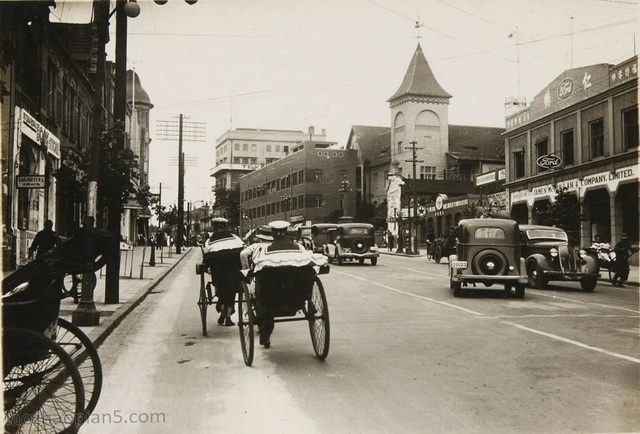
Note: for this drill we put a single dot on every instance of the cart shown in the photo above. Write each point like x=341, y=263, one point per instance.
x=285, y=291
x=51, y=370
x=227, y=262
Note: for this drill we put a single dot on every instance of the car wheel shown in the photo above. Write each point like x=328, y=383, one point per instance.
x=489, y=262
x=588, y=284
x=507, y=289
x=534, y=274
x=519, y=291
x=437, y=254
x=374, y=261
x=361, y=261
x=359, y=246
x=339, y=260
x=457, y=289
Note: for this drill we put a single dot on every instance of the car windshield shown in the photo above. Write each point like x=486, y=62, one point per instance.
x=546, y=234
x=482, y=233
x=357, y=231
x=305, y=232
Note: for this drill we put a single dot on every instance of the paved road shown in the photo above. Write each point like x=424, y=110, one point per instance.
x=405, y=357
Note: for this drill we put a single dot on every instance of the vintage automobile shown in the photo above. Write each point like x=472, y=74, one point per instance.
x=320, y=235
x=352, y=241
x=305, y=236
x=487, y=252
x=549, y=256
x=444, y=245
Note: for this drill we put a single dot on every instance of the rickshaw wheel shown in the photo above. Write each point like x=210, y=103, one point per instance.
x=317, y=312
x=43, y=389
x=245, y=323
x=84, y=354
x=203, y=303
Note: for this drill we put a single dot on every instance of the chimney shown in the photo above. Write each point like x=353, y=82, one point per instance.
x=312, y=131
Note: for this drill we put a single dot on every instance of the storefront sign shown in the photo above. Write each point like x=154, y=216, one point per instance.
x=485, y=178
x=30, y=181
x=610, y=180
x=549, y=161
x=565, y=89
x=39, y=134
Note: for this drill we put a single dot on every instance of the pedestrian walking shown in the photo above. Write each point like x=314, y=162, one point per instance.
x=391, y=242
x=622, y=250
x=44, y=241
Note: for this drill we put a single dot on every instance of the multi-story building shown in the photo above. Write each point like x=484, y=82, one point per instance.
x=244, y=150
x=431, y=157
x=306, y=185
x=47, y=100
x=585, y=122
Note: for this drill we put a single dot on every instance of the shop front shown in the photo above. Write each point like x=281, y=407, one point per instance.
x=36, y=158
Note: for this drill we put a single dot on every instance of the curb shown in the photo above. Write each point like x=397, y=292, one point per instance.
x=112, y=321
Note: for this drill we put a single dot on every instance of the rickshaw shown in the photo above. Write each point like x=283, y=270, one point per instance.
x=285, y=289
x=52, y=372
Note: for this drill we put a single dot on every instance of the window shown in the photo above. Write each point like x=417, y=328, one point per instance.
x=268, y=148
x=245, y=147
x=427, y=172
x=277, y=148
x=236, y=146
x=318, y=201
x=518, y=164
x=541, y=149
x=317, y=176
x=630, y=128
x=566, y=143
x=596, y=138
x=254, y=147
x=489, y=233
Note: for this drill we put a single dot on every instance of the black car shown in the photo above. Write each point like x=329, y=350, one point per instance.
x=487, y=252
x=549, y=255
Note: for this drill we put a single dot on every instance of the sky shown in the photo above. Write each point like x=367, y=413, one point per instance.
x=331, y=64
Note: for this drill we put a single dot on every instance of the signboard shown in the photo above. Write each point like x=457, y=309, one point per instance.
x=549, y=161
x=30, y=181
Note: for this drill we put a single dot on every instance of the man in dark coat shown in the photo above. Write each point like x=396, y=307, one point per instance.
x=621, y=266
x=44, y=240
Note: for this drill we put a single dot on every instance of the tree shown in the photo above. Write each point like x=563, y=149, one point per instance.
x=564, y=213
x=117, y=171
x=227, y=205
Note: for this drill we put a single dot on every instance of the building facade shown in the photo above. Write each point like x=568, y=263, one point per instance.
x=585, y=122
x=304, y=186
x=244, y=150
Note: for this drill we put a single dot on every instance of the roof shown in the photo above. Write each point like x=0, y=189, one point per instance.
x=141, y=96
x=476, y=143
x=372, y=142
x=419, y=79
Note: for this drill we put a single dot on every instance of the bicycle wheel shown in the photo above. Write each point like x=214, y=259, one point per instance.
x=84, y=354
x=43, y=390
x=317, y=312
x=203, y=303
x=245, y=323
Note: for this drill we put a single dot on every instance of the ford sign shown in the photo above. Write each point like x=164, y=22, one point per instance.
x=549, y=161
x=566, y=88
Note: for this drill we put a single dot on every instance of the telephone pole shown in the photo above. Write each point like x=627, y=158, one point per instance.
x=413, y=223
x=190, y=131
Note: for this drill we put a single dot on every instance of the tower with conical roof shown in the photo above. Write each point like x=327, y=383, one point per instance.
x=420, y=113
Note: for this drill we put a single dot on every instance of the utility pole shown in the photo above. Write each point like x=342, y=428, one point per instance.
x=413, y=225
x=86, y=313
x=190, y=131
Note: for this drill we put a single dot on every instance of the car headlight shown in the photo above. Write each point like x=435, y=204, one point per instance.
x=373, y=248
x=582, y=253
x=553, y=252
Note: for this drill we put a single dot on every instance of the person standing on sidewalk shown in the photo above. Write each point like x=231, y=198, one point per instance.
x=221, y=253
x=44, y=240
x=622, y=250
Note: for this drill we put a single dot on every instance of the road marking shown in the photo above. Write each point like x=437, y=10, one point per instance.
x=541, y=333
x=443, y=303
x=583, y=302
x=572, y=342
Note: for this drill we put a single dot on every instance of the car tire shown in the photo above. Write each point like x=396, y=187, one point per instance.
x=536, y=279
x=507, y=289
x=588, y=284
x=457, y=289
x=519, y=291
x=339, y=260
x=489, y=262
x=374, y=261
x=361, y=261
x=360, y=246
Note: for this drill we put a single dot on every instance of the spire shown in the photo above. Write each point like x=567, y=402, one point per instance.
x=419, y=79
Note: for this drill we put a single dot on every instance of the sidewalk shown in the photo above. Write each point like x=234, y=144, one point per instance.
x=634, y=270
x=132, y=290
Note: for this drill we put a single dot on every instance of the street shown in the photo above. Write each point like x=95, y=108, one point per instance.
x=406, y=356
